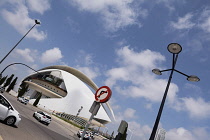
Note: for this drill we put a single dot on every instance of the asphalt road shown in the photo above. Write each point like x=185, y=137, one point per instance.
x=30, y=129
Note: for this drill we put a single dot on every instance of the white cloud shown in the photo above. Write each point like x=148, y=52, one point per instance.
x=133, y=78
x=135, y=72
x=183, y=22
x=194, y=88
x=206, y=25
x=146, y=58
x=168, y=4
x=172, y=4
x=85, y=64
x=129, y=113
x=139, y=132
x=114, y=103
x=27, y=54
x=199, y=133
x=39, y=6
x=51, y=56
x=74, y=26
x=195, y=46
x=84, y=58
x=115, y=14
x=91, y=72
x=148, y=106
x=205, y=20
x=179, y=134
x=197, y=108
x=21, y=21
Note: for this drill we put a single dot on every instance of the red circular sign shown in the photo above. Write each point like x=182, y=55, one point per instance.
x=103, y=94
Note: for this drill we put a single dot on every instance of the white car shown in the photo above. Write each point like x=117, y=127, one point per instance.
x=23, y=100
x=8, y=113
x=42, y=117
x=86, y=136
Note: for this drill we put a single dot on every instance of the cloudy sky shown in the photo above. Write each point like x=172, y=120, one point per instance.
x=117, y=43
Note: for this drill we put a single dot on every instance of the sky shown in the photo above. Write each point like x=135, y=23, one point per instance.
x=117, y=43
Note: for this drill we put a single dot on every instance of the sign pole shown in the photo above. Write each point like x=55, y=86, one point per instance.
x=102, y=95
x=86, y=127
x=94, y=110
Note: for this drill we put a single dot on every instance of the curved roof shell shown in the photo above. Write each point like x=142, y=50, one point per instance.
x=78, y=94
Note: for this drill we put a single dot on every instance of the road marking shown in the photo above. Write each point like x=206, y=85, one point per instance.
x=1, y=138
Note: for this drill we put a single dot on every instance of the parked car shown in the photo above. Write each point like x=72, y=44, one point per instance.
x=23, y=100
x=2, y=89
x=87, y=135
x=92, y=134
x=8, y=113
x=42, y=117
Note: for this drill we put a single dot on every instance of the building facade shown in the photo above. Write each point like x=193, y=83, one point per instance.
x=66, y=90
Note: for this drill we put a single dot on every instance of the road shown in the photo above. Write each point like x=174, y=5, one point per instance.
x=30, y=129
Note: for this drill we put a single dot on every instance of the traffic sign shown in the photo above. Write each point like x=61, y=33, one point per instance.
x=103, y=94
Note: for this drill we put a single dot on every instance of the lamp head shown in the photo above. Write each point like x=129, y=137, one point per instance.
x=193, y=78
x=157, y=71
x=37, y=22
x=174, y=48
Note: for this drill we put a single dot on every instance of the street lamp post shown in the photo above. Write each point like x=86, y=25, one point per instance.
x=14, y=64
x=175, y=49
x=36, y=22
x=78, y=113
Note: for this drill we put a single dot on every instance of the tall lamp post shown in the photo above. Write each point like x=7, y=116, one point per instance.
x=36, y=22
x=14, y=64
x=175, y=49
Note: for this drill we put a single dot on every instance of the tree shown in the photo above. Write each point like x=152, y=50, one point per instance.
x=12, y=85
x=8, y=81
x=37, y=99
x=22, y=89
x=3, y=80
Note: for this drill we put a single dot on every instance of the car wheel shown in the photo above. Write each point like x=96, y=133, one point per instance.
x=34, y=115
x=10, y=120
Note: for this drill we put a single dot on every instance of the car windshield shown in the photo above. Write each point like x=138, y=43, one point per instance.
x=40, y=112
x=4, y=102
x=48, y=117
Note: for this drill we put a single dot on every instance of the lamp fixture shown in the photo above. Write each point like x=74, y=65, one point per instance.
x=193, y=78
x=157, y=71
x=174, y=48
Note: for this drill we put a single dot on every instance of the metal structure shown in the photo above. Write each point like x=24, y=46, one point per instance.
x=36, y=22
x=175, y=49
x=15, y=64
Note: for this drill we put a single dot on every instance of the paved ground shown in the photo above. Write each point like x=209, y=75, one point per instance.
x=29, y=128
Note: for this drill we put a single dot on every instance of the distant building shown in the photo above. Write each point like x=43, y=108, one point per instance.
x=160, y=134
x=65, y=90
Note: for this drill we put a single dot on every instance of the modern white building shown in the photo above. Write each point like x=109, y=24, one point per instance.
x=65, y=89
